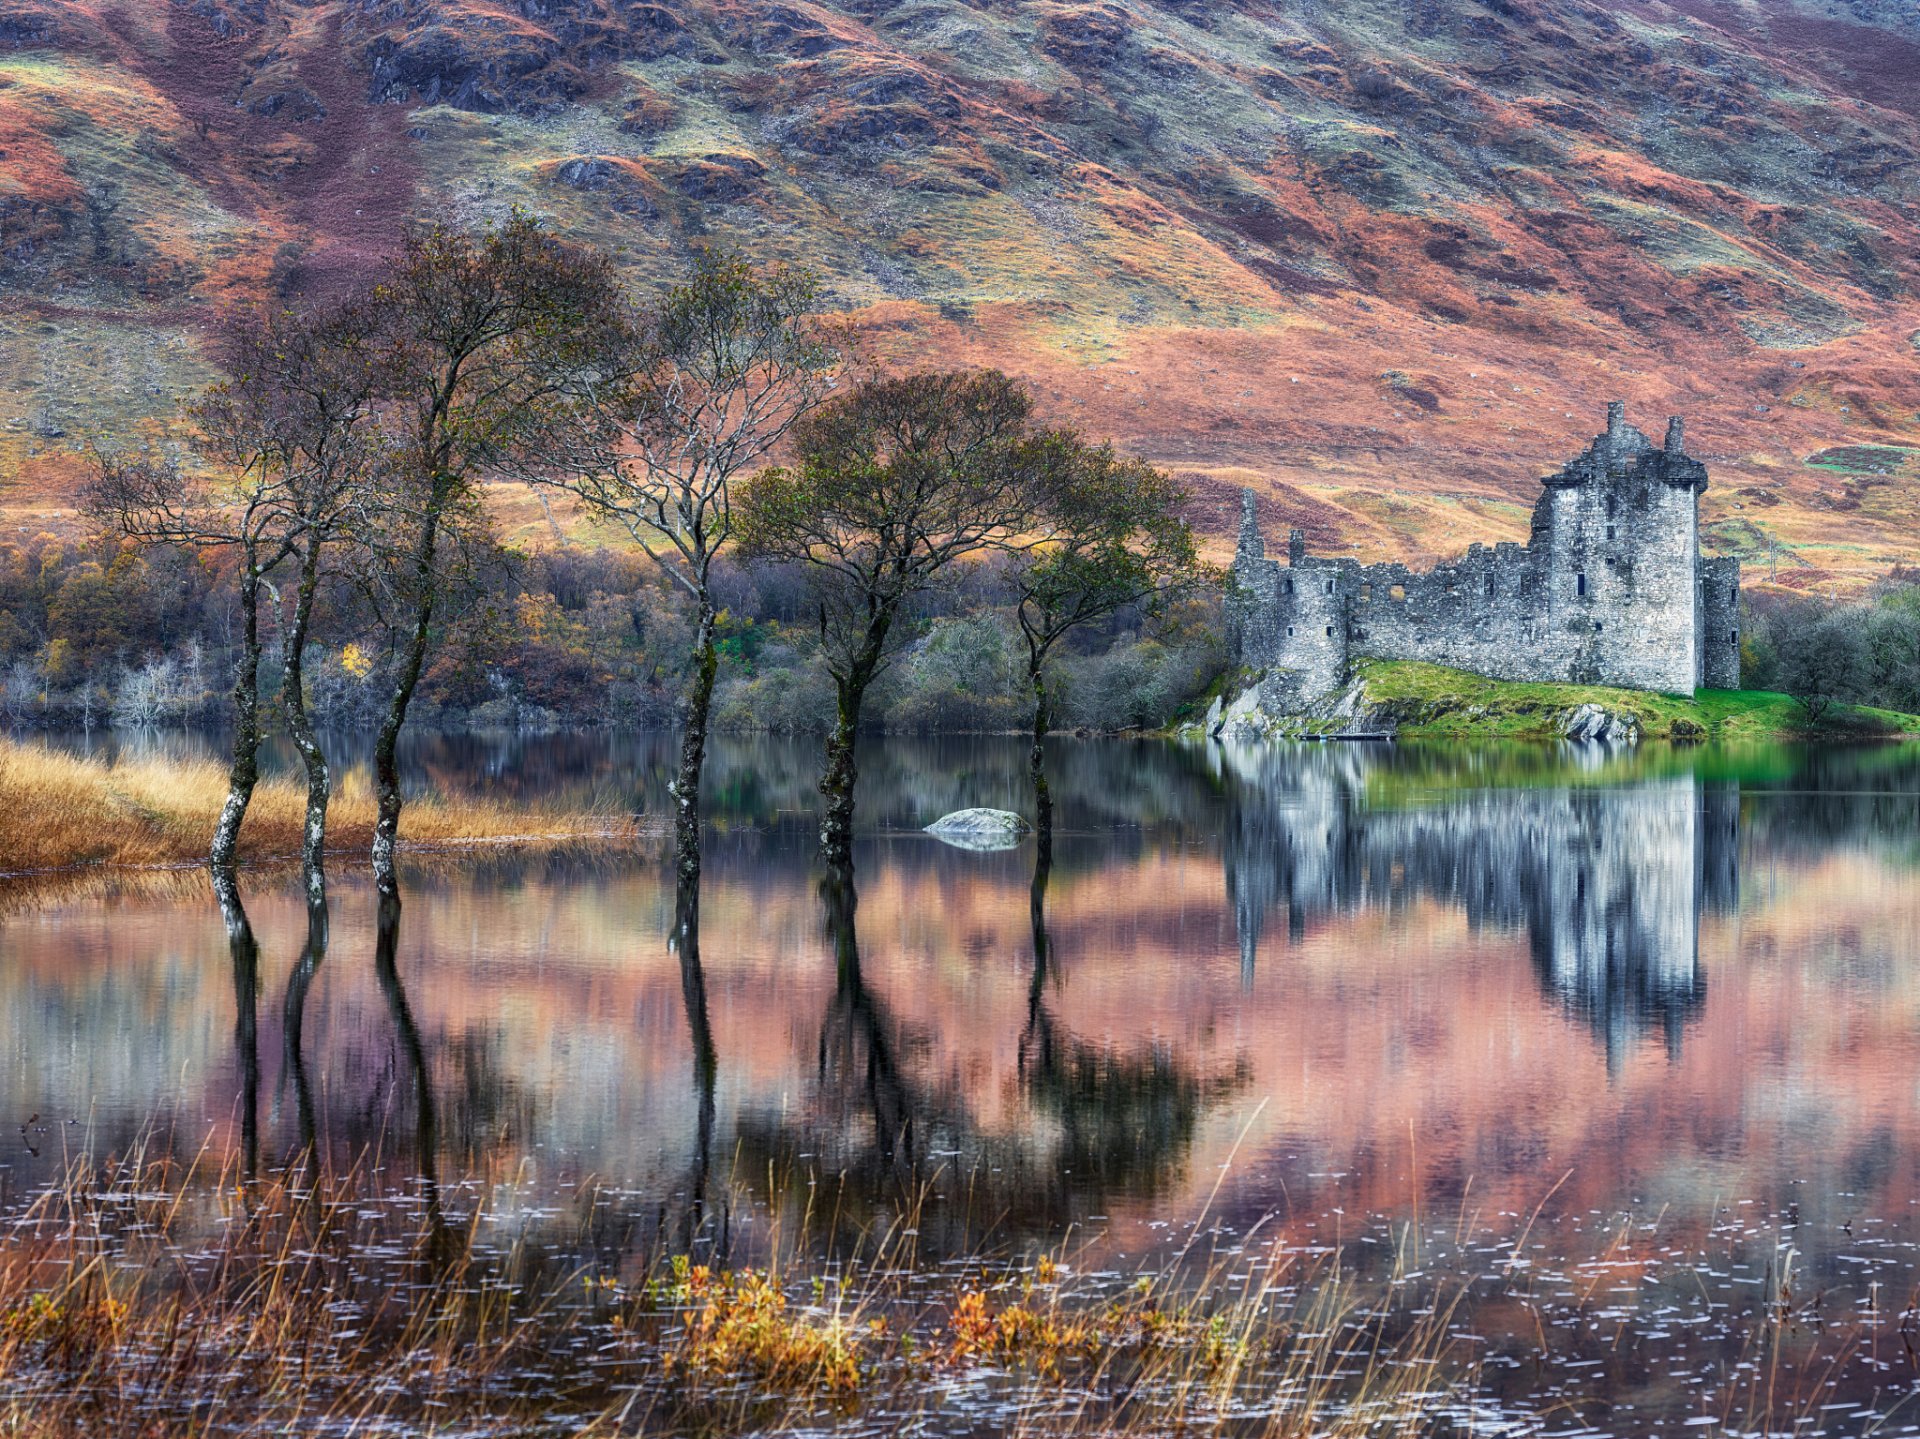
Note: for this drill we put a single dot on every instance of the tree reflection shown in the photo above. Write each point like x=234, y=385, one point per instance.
x=859, y=1055
x=1124, y=1121
x=293, y=1029
x=245, y=950
x=706, y=1064
x=426, y=1126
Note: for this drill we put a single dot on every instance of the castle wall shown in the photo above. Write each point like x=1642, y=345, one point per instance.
x=1610, y=589
x=1720, y=623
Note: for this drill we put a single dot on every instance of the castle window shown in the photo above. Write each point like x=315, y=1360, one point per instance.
x=1597, y=627
x=1733, y=637
x=1289, y=584
x=1399, y=592
x=1489, y=586
x=1289, y=631
x=1329, y=586
x=1329, y=631
x=1733, y=595
x=1366, y=593
x=1610, y=532
x=1580, y=584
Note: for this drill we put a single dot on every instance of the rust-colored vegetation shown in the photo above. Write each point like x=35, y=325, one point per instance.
x=1208, y=231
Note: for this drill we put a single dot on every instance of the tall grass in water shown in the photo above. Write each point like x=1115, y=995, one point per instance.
x=145, y=1298
x=60, y=810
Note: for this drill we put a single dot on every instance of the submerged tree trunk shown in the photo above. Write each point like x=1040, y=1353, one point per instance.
x=386, y=747
x=842, y=773
x=244, y=772
x=693, y=747
x=1037, y=755
x=313, y=834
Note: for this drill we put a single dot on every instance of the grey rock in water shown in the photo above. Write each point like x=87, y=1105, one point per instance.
x=980, y=829
x=1597, y=722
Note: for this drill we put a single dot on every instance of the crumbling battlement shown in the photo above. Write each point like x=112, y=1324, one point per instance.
x=1610, y=588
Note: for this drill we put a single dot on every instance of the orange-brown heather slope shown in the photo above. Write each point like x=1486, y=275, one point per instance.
x=1380, y=258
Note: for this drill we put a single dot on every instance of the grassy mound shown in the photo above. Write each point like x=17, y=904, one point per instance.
x=1429, y=700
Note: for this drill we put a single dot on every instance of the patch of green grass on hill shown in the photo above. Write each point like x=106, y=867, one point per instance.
x=1430, y=700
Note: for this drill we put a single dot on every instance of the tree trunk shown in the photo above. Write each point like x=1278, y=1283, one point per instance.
x=244, y=773
x=837, y=781
x=693, y=748
x=1037, y=755
x=313, y=836
x=386, y=748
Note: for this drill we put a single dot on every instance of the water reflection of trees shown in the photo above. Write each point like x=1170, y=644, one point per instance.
x=880, y=1138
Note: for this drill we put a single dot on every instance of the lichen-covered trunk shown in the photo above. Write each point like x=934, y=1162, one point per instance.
x=244, y=772
x=313, y=834
x=386, y=746
x=838, y=779
x=693, y=747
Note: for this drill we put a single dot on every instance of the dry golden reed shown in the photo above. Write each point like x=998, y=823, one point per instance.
x=58, y=811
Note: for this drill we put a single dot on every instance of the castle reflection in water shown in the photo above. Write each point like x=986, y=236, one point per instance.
x=1609, y=883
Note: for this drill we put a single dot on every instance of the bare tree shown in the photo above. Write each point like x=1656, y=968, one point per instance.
x=716, y=375
x=488, y=348
x=895, y=482
x=301, y=402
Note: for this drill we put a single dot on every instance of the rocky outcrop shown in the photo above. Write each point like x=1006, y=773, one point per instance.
x=1269, y=707
x=1598, y=724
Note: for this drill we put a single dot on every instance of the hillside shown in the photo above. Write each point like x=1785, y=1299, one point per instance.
x=1382, y=258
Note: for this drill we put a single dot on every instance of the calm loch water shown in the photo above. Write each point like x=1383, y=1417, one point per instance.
x=1625, y=1050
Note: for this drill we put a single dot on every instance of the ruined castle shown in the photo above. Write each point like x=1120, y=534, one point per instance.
x=1610, y=588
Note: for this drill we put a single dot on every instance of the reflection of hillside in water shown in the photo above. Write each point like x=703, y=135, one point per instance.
x=1609, y=883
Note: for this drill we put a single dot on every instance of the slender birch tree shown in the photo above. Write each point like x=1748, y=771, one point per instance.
x=717, y=373
x=490, y=349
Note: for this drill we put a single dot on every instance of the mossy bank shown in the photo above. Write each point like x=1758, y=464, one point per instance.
x=1413, y=700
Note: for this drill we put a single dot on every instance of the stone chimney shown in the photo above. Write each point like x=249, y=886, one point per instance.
x=1616, y=423
x=1296, y=547
x=1676, y=437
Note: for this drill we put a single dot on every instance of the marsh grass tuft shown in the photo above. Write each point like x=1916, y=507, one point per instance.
x=147, y=1296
